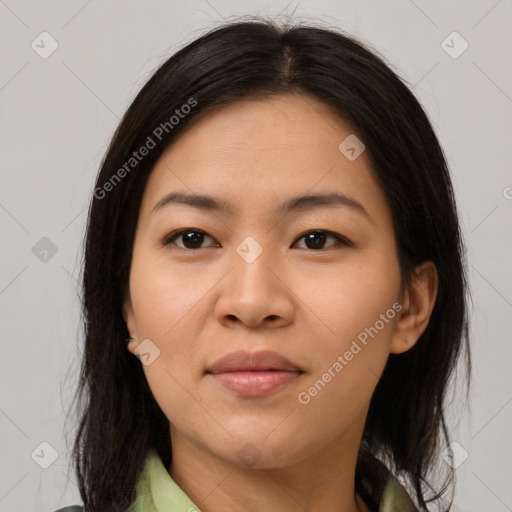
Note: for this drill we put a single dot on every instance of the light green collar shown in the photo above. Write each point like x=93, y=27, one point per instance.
x=158, y=492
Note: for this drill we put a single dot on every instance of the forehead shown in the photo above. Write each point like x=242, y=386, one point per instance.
x=256, y=152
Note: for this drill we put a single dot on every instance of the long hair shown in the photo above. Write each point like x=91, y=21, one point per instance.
x=119, y=420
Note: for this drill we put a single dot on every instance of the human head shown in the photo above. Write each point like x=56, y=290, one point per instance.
x=244, y=61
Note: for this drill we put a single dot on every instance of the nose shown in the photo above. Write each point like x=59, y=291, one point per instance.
x=255, y=294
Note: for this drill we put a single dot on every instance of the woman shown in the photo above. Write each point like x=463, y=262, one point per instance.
x=273, y=235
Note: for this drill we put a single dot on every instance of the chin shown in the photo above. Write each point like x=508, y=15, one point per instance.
x=259, y=450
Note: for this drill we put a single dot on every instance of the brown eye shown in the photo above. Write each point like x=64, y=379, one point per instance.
x=316, y=240
x=189, y=238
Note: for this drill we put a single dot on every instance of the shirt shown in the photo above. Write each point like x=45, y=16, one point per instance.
x=158, y=492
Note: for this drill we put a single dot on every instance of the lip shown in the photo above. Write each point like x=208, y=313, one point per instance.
x=254, y=374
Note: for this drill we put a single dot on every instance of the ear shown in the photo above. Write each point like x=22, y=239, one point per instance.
x=129, y=319
x=417, y=305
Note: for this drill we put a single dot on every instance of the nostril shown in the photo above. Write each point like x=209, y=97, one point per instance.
x=234, y=318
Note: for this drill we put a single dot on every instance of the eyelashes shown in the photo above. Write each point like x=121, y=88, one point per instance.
x=194, y=238
x=319, y=236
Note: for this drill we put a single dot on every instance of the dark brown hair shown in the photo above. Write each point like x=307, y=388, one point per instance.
x=119, y=417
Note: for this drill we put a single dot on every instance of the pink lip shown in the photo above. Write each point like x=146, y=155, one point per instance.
x=255, y=383
x=253, y=374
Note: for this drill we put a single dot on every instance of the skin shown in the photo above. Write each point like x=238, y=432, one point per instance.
x=308, y=304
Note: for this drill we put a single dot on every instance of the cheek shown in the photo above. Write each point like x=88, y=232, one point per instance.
x=358, y=308
x=348, y=369
x=165, y=305
x=170, y=310
x=351, y=296
x=165, y=297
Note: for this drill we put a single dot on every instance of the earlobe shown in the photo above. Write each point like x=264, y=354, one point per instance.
x=130, y=325
x=418, y=303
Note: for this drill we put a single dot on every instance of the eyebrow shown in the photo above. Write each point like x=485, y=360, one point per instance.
x=294, y=204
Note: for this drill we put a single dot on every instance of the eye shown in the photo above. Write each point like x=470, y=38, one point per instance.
x=191, y=238
x=317, y=239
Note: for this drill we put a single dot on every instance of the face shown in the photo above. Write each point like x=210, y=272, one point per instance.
x=314, y=281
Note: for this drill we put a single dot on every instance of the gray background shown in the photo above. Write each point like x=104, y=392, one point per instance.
x=58, y=115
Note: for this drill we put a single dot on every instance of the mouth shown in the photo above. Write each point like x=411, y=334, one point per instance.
x=254, y=374
x=255, y=383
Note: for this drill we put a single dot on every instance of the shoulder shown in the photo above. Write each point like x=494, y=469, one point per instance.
x=395, y=498
x=380, y=488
